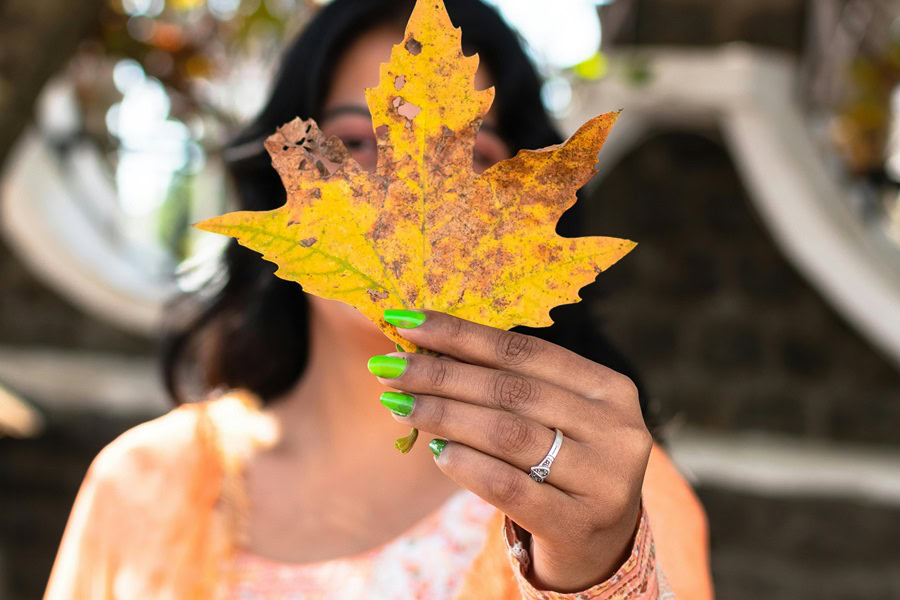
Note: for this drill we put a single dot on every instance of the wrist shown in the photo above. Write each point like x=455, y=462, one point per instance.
x=578, y=569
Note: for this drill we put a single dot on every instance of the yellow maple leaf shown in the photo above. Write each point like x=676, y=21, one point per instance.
x=424, y=230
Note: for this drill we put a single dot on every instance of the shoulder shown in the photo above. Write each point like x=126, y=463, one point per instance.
x=151, y=446
x=187, y=446
x=150, y=493
x=679, y=526
x=667, y=494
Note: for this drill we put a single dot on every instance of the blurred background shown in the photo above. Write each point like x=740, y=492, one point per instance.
x=757, y=163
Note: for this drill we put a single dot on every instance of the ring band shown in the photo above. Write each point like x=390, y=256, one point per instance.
x=541, y=471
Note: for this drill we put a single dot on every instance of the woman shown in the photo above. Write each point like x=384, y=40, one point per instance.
x=304, y=496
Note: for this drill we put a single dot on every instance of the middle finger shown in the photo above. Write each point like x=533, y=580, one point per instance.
x=538, y=400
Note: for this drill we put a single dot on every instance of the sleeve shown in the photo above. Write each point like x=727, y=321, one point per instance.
x=639, y=578
x=83, y=567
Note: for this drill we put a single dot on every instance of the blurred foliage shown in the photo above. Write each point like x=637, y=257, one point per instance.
x=862, y=124
x=187, y=44
x=159, y=86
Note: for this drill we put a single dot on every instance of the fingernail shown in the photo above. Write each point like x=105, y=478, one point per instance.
x=398, y=402
x=387, y=366
x=405, y=319
x=437, y=446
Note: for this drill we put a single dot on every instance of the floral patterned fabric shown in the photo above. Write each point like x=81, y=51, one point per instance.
x=428, y=561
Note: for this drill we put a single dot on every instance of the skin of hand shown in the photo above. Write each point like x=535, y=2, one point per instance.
x=497, y=396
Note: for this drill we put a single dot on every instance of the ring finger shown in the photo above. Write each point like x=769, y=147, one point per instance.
x=512, y=438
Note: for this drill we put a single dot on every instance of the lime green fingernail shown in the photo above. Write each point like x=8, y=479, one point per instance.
x=387, y=366
x=398, y=402
x=437, y=446
x=405, y=319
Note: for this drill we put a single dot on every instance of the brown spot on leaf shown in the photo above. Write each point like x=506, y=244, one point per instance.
x=376, y=296
x=383, y=228
x=381, y=131
x=333, y=150
x=413, y=46
x=396, y=267
x=308, y=242
x=434, y=281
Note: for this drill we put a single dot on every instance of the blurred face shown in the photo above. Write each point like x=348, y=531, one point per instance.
x=346, y=115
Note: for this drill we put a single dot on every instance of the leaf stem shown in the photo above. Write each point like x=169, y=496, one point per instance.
x=405, y=444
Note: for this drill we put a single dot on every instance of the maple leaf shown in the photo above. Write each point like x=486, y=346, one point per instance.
x=424, y=230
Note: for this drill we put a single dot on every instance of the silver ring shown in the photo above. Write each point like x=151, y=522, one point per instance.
x=541, y=471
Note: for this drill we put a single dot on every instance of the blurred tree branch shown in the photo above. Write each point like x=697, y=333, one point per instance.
x=38, y=37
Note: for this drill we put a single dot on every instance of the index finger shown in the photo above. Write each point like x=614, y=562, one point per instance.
x=501, y=349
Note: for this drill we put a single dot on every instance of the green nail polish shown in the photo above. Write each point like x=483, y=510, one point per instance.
x=405, y=319
x=398, y=402
x=437, y=446
x=387, y=366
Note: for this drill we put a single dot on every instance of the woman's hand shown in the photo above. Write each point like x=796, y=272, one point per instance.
x=497, y=397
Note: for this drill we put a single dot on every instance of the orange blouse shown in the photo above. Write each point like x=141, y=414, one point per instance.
x=159, y=516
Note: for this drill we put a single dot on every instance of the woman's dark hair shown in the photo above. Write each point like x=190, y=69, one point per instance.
x=253, y=332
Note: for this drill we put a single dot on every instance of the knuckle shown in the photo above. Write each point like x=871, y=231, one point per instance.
x=455, y=330
x=437, y=415
x=623, y=388
x=507, y=489
x=515, y=348
x=511, y=435
x=440, y=374
x=513, y=393
x=642, y=443
x=629, y=389
x=615, y=387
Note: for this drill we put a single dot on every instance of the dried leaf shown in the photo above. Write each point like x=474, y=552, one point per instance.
x=424, y=230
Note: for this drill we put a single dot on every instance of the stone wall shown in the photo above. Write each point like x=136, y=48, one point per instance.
x=725, y=331
x=777, y=24
x=790, y=548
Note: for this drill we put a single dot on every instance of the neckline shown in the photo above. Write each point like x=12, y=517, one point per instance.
x=461, y=495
